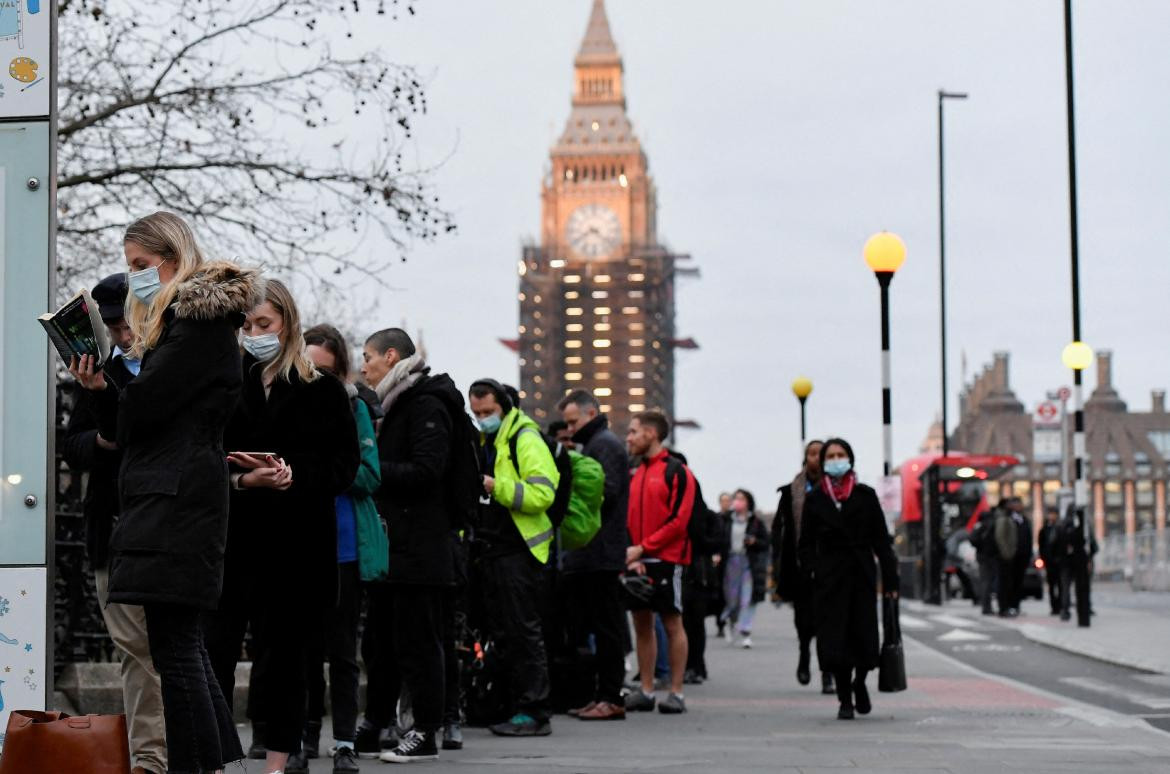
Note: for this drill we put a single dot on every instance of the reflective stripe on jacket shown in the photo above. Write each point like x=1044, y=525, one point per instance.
x=527, y=486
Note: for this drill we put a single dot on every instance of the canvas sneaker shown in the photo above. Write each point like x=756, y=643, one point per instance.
x=415, y=746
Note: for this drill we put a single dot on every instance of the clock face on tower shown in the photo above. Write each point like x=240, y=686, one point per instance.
x=593, y=231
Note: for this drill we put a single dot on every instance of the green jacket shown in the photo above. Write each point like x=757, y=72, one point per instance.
x=373, y=551
x=528, y=486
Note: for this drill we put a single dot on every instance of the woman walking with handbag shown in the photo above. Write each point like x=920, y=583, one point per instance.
x=167, y=547
x=843, y=529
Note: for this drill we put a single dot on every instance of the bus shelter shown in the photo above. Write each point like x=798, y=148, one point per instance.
x=953, y=495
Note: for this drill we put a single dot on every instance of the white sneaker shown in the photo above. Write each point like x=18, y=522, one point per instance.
x=746, y=642
x=728, y=635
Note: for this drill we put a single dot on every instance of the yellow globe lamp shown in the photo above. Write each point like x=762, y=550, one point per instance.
x=1077, y=356
x=885, y=252
x=802, y=387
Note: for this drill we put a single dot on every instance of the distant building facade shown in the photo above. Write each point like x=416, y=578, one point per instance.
x=1128, y=452
x=597, y=295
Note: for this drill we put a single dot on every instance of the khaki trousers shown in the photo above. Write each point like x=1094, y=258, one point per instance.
x=141, y=689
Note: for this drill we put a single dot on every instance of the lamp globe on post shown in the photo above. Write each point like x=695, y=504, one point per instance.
x=1078, y=356
x=802, y=387
x=885, y=253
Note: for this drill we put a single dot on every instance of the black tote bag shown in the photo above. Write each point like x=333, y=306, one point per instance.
x=892, y=668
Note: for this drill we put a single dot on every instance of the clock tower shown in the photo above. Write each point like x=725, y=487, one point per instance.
x=597, y=293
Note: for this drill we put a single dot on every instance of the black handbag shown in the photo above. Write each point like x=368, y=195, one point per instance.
x=892, y=667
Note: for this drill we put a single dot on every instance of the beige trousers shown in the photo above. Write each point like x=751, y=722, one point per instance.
x=141, y=689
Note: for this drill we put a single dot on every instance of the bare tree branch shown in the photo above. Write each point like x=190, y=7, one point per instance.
x=258, y=120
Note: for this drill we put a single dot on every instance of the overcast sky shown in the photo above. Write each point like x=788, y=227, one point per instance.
x=781, y=135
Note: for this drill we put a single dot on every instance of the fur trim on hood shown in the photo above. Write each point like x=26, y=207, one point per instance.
x=218, y=289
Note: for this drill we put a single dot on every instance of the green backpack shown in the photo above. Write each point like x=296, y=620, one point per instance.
x=583, y=516
x=576, y=508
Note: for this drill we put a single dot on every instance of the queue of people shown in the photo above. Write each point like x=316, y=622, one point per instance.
x=1005, y=550
x=250, y=493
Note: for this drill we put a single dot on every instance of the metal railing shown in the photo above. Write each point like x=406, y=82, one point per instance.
x=1142, y=558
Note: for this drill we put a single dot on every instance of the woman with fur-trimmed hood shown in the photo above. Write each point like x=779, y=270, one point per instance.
x=167, y=547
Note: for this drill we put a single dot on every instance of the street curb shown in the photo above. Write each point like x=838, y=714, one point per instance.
x=1101, y=717
x=1046, y=636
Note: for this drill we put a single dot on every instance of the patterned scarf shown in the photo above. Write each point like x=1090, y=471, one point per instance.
x=840, y=489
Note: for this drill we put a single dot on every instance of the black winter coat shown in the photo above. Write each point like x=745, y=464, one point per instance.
x=83, y=455
x=1053, y=545
x=607, y=550
x=785, y=571
x=840, y=547
x=168, y=543
x=287, y=540
x=414, y=448
x=757, y=552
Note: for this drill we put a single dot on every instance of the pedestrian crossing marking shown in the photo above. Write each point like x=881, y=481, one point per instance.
x=954, y=621
x=913, y=622
x=962, y=635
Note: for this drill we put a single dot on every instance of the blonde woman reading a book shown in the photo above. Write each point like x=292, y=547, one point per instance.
x=167, y=548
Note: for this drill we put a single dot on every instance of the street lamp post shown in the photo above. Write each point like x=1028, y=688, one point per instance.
x=1077, y=356
x=1077, y=353
x=885, y=253
x=802, y=387
x=942, y=261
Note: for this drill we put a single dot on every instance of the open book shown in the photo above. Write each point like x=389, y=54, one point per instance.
x=77, y=329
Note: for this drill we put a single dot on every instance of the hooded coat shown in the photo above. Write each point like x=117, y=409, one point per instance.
x=168, y=543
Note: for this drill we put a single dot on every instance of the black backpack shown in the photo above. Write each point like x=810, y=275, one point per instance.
x=702, y=524
x=982, y=535
x=560, y=504
x=464, y=475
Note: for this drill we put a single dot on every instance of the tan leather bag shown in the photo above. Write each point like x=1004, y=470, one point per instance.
x=55, y=742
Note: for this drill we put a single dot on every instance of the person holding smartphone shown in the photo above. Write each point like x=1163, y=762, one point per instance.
x=167, y=546
x=282, y=544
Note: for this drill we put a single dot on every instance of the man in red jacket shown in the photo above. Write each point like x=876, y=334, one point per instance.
x=662, y=496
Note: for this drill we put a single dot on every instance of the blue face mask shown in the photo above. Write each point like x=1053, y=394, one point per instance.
x=838, y=467
x=145, y=284
x=264, y=347
x=490, y=425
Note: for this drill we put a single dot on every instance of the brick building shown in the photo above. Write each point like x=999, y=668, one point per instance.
x=1128, y=452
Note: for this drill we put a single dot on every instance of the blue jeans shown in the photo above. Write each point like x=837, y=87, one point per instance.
x=737, y=590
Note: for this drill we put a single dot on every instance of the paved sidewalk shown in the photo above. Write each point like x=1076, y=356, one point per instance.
x=1130, y=628
x=753, y=717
